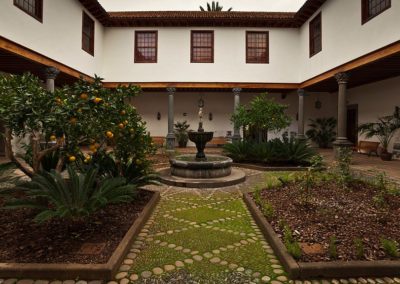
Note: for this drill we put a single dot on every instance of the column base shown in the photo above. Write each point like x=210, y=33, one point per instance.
x=236, y=138
x=301, y=137
x=170, y=142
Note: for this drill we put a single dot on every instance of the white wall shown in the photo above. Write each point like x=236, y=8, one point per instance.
x=59, y=37
x=221, y=106
x=344, y=38
x=375, y=100
x=174, y=57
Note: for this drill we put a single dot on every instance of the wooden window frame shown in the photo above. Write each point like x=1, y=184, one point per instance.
x=313, y=52
x=365, y=11
x=248, y=61
x=91, y=48
x=136, y=60
x=191, y=45
x=38, y=16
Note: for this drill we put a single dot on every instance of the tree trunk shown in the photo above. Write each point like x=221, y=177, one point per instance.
x=8, y=146
x=35, y=153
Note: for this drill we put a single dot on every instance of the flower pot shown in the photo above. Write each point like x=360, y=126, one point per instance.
x=386, y=156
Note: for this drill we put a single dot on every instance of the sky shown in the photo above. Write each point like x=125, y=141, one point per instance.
x=193, y=5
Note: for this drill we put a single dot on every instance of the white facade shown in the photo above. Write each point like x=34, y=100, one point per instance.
x=59, y=37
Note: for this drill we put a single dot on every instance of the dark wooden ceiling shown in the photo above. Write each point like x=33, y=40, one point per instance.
x=15, y=64
x=382, y=69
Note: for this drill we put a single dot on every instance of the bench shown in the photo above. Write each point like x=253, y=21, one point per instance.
x=217, y=142
x=368, y=147
x=158, y=140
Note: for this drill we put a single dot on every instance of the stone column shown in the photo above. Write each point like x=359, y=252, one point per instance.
x=236, y=130
x=341, y=138
x=171, y=136
x=300, y=122
x=51, y=74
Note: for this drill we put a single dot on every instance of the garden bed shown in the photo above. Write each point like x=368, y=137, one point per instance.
x=66, y=250
x=332, y=215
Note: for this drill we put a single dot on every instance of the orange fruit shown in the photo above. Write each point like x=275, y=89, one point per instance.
x=53, y=138
x=121, y=125
x=109, y=134
x=126, y=122
x=72, y=158
x=97, y=100
x=123, y=112
x=84, y=96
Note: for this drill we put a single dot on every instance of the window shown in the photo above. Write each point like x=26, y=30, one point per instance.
x=31, y=7
x=146, y=46
x=87, y=34
x=257, y=47
x=315, y=35
x=202, y=47
x=372, y=8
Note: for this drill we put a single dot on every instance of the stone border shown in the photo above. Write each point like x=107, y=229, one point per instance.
x=64, y=271
x=310, y=270
x=237, y=176
x=268, y=169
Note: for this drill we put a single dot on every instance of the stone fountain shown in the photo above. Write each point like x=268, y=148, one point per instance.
x=199, y=170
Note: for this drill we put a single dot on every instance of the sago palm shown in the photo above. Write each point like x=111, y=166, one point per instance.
x=322, y=131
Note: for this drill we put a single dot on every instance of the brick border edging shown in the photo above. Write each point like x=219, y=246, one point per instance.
x=64, y=271
x=270, y=169
x=310, y=270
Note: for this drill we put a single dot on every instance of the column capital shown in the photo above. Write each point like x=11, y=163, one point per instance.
x=171, y=90
x=342, y=78
x=236, y=90
x=301, y=92
x=51, y=72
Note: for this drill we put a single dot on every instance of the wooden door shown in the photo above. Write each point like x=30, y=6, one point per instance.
x=352, y=124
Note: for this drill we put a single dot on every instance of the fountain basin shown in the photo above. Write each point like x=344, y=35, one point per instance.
x=188, y=166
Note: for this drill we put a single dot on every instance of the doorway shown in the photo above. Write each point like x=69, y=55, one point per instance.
x=352, y=124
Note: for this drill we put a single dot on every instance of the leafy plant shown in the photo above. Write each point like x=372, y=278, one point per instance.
x=343, y=166
x=263, y=115
x=390, y=247
x=322, y=131
x=332, y=249
x=76, y=198
x=268, y=210
x=239, y=151
x=181, y=133
x=292, y=246
x=359, y=246
x=384, y=129
x=214, y=7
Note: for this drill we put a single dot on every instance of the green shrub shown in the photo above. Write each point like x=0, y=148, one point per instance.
x=359, y=246
x=238, y=151
x=343, y=166
x=268, y=210
x=322, y=131
x=390, y=247
x=80, y=196
x=292, y=246
x=332, y=249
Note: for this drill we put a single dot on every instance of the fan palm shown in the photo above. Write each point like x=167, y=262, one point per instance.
x=214, y=7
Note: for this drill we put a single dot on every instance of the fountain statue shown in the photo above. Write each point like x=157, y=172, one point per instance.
x=200, y=165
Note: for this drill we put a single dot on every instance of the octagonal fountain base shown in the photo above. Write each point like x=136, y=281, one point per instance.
x=189, y=171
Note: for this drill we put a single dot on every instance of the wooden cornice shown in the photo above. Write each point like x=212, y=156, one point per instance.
x=356, y=63
x=15, y=48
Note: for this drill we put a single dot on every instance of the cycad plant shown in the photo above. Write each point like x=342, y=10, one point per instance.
x=322, y=131
x=81, y=195
x=214, y=7
x=181, y=133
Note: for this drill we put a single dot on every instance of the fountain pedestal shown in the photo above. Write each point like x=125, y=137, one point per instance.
x=200, y=139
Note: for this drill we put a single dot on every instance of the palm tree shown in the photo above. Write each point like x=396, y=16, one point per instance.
x=214, y=7
x=384, y=129
x=322, y=131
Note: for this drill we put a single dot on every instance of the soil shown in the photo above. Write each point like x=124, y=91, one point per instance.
x=56, y=241
x=346, y=214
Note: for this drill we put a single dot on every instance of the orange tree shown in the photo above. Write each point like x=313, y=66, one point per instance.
x=84, y=113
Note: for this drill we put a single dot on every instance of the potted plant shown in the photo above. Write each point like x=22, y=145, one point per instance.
x=322, y=131
x=181, y=133
x=384, y=129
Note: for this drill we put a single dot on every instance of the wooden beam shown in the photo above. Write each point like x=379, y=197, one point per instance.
x=34, y=56
x=213, y=85
x=356, y=63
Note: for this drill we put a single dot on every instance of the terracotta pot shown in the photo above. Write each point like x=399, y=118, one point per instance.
x=386, y=156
